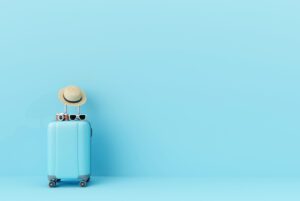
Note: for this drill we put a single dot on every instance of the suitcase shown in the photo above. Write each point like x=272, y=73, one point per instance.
x=69, y=150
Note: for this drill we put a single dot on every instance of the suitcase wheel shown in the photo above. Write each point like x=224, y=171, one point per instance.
x=83, y=183
x=52, y=184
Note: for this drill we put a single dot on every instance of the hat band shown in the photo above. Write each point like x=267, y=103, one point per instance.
x=72, y=101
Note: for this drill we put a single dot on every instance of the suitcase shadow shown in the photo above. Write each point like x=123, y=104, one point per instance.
x=103, y=154
x=69, y=184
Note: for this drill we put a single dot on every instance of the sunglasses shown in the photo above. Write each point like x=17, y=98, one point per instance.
x=77, y=116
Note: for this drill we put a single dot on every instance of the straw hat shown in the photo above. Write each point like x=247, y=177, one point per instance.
x=72, y=95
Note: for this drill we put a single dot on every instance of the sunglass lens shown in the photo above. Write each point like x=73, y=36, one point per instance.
x=72, y=117
x=81, y=117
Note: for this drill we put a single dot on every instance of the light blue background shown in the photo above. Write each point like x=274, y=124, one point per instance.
x=175, y=88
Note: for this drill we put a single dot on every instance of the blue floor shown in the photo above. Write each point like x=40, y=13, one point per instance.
x=106, y=189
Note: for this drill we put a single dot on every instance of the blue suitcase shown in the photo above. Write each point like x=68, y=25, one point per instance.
x=69, y=150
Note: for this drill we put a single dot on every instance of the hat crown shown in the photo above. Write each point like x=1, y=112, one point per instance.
x=72, y=93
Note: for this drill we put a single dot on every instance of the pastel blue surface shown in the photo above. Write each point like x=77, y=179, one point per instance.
x=148, y=189
x=175, y=88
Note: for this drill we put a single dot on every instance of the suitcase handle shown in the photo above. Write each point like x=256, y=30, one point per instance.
x=66, y=109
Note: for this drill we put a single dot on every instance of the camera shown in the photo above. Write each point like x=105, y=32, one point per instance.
x=62, y=117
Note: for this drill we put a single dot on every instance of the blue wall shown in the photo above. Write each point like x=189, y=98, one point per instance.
x=175, y=88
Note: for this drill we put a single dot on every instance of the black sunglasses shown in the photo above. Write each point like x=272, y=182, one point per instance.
x=77, y=116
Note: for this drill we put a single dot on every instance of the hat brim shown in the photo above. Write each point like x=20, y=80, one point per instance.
x=64, y=101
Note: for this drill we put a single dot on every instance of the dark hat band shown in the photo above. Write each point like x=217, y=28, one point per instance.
x=72, y=101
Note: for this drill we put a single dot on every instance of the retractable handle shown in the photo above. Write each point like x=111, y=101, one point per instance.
x=78, y=110
x=66, y=109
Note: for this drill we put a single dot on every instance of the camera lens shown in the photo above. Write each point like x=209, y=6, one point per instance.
x=61, y=117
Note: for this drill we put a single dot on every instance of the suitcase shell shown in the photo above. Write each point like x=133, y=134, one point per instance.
x=69, y=150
